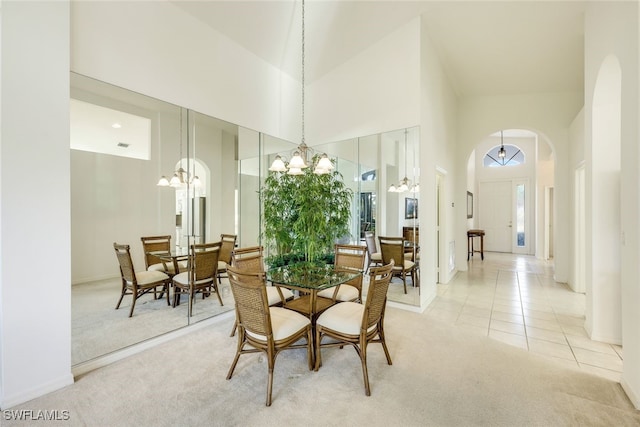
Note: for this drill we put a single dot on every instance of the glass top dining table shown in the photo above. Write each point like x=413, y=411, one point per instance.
x=309, y=279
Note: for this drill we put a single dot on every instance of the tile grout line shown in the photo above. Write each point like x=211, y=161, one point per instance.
x=524, y=321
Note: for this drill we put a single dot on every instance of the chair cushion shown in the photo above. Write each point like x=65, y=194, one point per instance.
x=376, y=256
x=183, y=279
x=160, y=267
x=345, y=317
x=222, y=266
x=274, y=297
x=345, y=293
x=147, y=277
x=284, y=323
x=407, y=265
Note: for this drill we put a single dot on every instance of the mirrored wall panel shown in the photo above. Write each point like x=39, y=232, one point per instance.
x=382, y=170
x=122, y=145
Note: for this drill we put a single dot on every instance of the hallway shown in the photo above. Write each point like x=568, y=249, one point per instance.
x=514, y=299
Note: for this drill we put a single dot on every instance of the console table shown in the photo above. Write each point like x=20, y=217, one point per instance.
x=470, y=248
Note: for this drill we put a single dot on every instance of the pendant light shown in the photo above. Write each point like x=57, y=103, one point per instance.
x=403, y=185
x=502, y=153
x=299, y=159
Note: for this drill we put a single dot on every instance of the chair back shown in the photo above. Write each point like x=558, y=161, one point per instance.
x=411, y=234
x=392, y=249
x=370, y=240
x=249, y=259
x=252, y=306
x=204, y=261
x=126, y=264
x=351, y=258
x=154, y=244
x=228, y=244
x=379, y=279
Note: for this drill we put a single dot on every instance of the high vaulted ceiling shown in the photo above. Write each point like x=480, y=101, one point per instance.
x=486, y=48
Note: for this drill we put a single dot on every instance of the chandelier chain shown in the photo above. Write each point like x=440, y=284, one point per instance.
x=302, y=71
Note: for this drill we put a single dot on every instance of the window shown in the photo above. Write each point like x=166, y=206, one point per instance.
x=513, y=156
x=520, y=214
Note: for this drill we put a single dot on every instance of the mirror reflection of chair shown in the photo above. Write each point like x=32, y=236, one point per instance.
x=262, y=328
x=357, y=324
x=393, y=249
x=224, y=260
x=201, y=275
x=138, y=283
x=347, y=258
x=251, y=260
x=158, y=244
x=375, y=257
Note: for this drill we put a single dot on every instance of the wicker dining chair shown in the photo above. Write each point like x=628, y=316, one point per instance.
x=347, y=258
x=262, y=328
x=158, y=244
x=357, y=324
x=224, y=260
x=251, y=260
x=138, y=283
x=201, y=275
x=392, y=249
x=375, y=257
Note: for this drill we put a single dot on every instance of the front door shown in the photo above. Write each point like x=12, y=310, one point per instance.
x=495, y=218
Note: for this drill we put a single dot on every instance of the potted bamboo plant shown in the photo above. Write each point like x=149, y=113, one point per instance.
x=304, y=215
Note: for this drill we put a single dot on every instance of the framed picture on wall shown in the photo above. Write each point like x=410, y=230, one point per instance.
x=410, y=208
x=469, y=204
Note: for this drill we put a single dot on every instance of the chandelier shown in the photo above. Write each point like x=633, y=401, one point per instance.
x=403, y=185
x=299, y=160
x=180, y=176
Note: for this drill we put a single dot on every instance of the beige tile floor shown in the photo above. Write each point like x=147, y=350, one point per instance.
x=514, y=299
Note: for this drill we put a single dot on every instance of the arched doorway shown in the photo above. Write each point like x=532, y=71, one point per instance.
x=603, y=303
x=514, y=191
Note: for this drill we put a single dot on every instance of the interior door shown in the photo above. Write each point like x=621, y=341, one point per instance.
x=495, y=215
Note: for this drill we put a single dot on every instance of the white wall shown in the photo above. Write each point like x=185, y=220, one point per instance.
x=611, y=28
x=161, y=51
x=438, y=135
x=576, y=160
x=35, y=296
x=373, y=92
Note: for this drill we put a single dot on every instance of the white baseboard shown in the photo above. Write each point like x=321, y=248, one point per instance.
x=631, y=394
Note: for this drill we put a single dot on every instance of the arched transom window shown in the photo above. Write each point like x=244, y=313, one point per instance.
x=504, y=155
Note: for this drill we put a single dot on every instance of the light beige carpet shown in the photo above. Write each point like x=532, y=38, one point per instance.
x=441, y=376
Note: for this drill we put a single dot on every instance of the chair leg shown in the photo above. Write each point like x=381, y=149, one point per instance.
x=122, y=294
x=120, y=300
x=365, y=371
x=133, y=303
x=404, y=281
x=238, y=352
x=233, y=330
x=384, y=343
x=317, y=354
x=215, y=288
x=191, y=298
x=176, y=296
x=310, y=349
